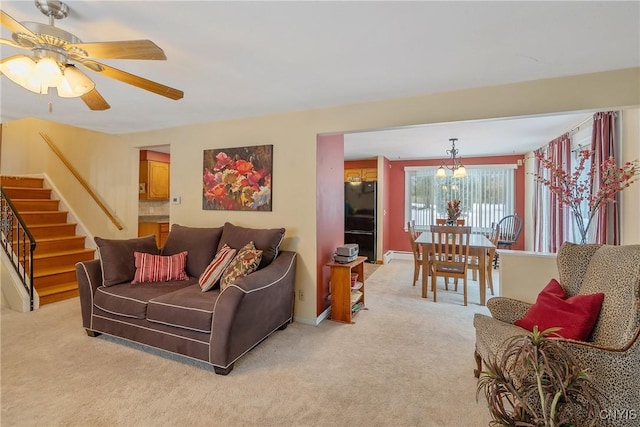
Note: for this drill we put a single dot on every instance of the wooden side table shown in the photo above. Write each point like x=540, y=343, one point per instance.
x=347, y=300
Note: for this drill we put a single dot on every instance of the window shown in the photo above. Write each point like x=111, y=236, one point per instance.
x=486, y=195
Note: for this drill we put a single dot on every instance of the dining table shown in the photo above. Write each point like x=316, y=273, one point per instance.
x=479, y=245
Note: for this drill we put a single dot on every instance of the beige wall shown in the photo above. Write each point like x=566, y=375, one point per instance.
x=630, y=198
x=110, y=162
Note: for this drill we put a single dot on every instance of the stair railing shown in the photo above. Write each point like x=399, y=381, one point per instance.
x=81, y=180
x=17, y=242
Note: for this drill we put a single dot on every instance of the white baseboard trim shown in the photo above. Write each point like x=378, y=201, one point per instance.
x=313, y=322
x=398, y=255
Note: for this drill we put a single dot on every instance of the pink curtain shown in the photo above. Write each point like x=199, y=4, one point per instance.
x=560, y=218
x=539, y=228
x=605, y=227
x=552, y=226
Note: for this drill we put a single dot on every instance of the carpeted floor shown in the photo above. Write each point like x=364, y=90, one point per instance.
x=405, y=362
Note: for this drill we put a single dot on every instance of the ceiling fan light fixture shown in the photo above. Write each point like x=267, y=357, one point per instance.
x=47, y=72
x=74, y=83
x=18, y=69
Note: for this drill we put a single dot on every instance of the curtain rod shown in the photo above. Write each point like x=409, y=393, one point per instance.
x=576, y=127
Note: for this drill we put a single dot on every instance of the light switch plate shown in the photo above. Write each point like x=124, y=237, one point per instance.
x=176, y=200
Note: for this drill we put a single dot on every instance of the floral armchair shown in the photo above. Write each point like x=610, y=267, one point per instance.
x=612, y=354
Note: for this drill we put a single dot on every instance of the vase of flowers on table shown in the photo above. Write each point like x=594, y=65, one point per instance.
x=453, y=211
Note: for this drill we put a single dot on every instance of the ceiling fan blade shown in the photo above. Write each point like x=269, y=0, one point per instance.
x=3, y=60
x=14, y=26
x=129, y=49
x=95, y=101
x=132, y=79
x=12, y=43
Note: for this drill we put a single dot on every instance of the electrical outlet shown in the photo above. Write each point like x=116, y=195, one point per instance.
x=301, y=295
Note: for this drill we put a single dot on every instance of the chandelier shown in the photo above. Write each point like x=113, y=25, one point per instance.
x=456, y=167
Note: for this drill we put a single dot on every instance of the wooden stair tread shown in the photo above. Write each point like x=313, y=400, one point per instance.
x=59, y=253
x=55, y=224
x=54, y=289
x=54, y=270
x=41, y=212
x=31, y=199
x=57, y=239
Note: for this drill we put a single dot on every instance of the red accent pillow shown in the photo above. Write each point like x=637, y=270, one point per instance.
x=158, y=268
x=576, y=315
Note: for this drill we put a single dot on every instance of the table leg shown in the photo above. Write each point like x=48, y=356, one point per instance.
x=425, y=270
x=482, y=262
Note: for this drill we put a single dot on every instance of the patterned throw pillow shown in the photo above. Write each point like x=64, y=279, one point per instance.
x=213, y=272
x=245, y=262
x=158, y=268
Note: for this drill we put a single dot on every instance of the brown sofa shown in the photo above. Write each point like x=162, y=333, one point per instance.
x=176, y=316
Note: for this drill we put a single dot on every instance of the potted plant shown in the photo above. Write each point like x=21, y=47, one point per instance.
x=453, y=211
x=536, y=381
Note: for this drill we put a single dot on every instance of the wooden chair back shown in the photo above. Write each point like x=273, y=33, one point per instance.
x=416, y=248
x=441, y=221
x=413, y=235
x=510, y=228
x=450, y=246
x=449, y=254
x=493, y=237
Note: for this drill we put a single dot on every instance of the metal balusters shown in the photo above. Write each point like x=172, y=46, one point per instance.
x=13, y=229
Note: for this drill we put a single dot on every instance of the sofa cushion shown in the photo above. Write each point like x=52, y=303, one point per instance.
x=245, y=262
x=576, y=315
x=130, y=300
x=117, y=260
x=201, y=244
x=213, y=272
x=158, y=268
x=266, y=240
x=187, y=308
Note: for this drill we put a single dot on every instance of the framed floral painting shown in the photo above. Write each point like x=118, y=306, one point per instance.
x=237, y=179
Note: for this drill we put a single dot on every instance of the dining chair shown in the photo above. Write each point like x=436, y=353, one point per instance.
x=460, y=222
x=510, y=228
x=441, y=221
x=449, y=255
x=474, y=262
x=417, y=252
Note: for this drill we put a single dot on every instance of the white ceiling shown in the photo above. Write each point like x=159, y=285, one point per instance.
x=240, y=59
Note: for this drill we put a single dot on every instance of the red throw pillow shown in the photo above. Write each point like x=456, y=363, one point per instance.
x=158, y=268
x=576, y=315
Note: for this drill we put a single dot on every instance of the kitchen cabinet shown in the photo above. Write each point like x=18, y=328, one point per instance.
x=154, y=180
x=159, y=229
x=361, y=174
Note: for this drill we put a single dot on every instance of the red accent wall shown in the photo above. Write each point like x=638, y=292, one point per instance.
x=329, y=211
x=395, y=230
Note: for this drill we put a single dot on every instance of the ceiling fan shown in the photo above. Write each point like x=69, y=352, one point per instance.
x=54, y=52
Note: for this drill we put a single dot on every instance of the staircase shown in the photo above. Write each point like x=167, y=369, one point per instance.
x=58, y=248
